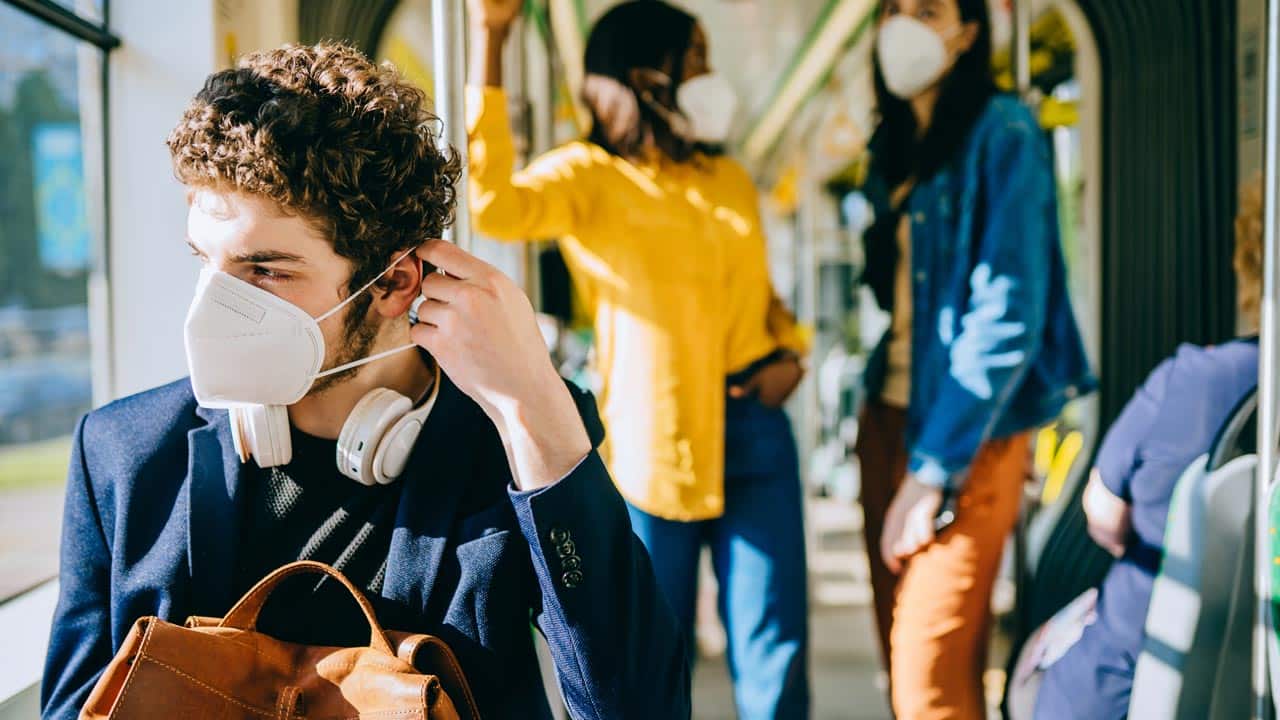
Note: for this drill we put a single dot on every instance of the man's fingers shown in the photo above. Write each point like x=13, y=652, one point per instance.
x=451, y=259
x=441, y=288
x=434, y=314
x=423, y=334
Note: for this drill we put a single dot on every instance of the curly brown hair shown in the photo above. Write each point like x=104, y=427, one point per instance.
x=329, y=136
x=1247, y=259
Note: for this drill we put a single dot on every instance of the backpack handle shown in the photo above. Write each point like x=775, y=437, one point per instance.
x=244, y=615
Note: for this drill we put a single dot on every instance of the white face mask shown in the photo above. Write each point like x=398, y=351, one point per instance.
x=246, y=346
x=708, y=101
x=912, y=56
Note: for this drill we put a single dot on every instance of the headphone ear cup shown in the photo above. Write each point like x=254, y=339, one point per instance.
x=262, y=432
x=238, y=430
x=394, y=450
x=364, y=430
x=397, y=445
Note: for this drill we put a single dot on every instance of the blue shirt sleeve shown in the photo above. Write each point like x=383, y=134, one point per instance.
x=1121, y=453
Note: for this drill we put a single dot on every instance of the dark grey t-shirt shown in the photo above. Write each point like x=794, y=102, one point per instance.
x=307, y=510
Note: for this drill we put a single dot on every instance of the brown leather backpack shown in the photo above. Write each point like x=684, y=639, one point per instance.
x=227, y=670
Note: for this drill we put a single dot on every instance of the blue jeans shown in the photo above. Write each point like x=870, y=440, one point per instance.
x=757, y=549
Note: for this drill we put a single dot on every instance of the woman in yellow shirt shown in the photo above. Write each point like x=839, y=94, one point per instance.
x=662, y=237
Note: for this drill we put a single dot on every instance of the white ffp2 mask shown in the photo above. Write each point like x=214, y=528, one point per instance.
x=709, y=103
x=246, y=346
x=912, y=55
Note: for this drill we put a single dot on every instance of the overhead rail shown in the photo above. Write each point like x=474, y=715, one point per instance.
x=839, y=25
x=569, y=28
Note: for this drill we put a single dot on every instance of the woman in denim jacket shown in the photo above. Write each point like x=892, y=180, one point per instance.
x=982, y=347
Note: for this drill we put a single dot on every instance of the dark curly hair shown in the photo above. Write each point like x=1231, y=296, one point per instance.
x=329, y=136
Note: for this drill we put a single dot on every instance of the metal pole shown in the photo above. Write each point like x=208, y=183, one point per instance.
x=1268, y=392
x=1022, y=47
x=518, y=59
x=448, y=40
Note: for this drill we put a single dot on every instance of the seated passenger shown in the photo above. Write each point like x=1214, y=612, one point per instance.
x=312, y=176
x=1171, y=420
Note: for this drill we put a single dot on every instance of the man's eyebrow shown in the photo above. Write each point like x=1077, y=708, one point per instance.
x=255, y=258
x=267, y=256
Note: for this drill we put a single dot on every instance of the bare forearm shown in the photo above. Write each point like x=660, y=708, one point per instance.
x=543, y=434
x=1108, y=516
x=486, y=55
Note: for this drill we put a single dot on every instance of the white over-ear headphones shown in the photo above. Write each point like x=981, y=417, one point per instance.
x=373, y=447
x=261, y=432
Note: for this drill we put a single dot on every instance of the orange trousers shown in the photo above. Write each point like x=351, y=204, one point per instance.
x=934, y=618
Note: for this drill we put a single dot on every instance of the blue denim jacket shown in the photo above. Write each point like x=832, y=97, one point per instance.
x=995, y=349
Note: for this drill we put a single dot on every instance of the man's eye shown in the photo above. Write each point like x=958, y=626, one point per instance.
x=268, y=273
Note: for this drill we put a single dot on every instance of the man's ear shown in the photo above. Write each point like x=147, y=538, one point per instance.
x=399, y=287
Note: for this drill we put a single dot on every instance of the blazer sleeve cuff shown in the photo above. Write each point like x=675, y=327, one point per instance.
x=568, y=524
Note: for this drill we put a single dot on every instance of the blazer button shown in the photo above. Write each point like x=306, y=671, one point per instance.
x=567, y=548
x=572, y=579
x=573, y=562
x=559, y=535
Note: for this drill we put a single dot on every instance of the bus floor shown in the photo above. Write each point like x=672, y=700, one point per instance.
x=845, y=669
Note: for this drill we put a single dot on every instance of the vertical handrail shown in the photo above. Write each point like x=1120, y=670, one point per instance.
x=1021, y=54
x=1267, y=368
x=1022, y=47
x=448, y=39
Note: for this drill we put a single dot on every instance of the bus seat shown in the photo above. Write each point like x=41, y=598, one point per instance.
x=1239, y=435
x=1198, y=621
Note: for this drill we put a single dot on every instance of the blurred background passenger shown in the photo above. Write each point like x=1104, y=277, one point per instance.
x=661, y=233
x=982, y=346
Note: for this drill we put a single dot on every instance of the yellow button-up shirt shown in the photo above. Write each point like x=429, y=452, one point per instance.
x=670, y=262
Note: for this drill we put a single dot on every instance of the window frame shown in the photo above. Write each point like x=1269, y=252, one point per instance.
x=26, y=613
x=96, y=35
x=59, y=17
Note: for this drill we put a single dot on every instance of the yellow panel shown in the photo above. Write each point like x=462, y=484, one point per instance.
x=409, y=63
x=1057, y=113
x=1063, y=460
x=1046, y=444
x=785, y=193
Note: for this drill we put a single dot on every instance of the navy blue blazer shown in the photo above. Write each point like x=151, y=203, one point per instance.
x=151, y=528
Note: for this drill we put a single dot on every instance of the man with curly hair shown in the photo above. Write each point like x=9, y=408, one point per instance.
x=316, y=184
